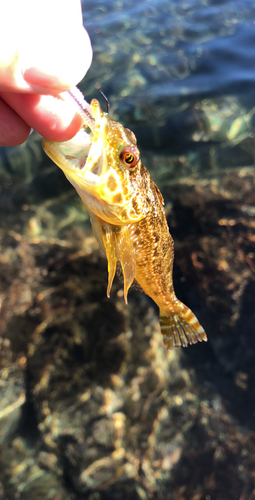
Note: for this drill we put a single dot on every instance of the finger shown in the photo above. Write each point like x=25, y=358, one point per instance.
x=43, y=50
x=52, y=117
x=13, y=130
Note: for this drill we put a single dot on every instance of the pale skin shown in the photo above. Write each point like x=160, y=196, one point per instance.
x=44, y=52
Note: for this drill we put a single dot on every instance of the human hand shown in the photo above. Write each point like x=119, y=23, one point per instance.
x=44, y=52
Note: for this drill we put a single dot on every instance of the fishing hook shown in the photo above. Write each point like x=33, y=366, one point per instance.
x=107, y=102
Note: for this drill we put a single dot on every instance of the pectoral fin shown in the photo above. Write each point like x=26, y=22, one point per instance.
x=118, y=247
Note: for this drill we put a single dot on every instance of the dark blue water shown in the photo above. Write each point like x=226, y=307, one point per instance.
x=178, y=48
x=178, y=73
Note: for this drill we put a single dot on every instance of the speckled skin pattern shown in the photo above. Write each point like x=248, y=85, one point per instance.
x=154, y=251
x=128, y=219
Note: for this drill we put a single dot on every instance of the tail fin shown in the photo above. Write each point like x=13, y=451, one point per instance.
x=180, y=327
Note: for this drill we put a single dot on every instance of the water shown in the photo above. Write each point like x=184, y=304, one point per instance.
x=92, y=406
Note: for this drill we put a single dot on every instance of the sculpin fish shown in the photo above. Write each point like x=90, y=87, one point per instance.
x=126, y=209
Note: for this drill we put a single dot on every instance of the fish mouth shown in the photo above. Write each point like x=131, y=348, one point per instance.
x=80, y=158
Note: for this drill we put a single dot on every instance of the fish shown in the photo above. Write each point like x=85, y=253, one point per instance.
x=126, y=209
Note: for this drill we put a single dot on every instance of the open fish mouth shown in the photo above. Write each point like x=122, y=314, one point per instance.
x=71, y=156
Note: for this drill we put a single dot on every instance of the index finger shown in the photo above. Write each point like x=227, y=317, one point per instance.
x=55, y=118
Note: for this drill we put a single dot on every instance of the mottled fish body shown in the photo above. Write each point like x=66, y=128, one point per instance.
x=127, y=214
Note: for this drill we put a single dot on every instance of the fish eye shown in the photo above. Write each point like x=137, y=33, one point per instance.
x=129, y=157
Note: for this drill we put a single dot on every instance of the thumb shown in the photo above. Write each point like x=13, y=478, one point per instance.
x=45, y=48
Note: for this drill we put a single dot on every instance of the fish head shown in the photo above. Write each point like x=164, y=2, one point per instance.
x=104, y=166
